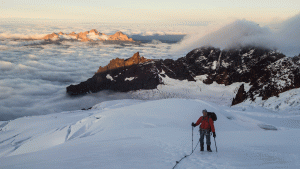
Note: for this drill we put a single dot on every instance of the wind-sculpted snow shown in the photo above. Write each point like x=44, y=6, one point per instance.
x=148, y=134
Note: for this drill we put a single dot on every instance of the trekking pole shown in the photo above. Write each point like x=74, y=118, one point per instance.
x=216, y=144
x=192, y=139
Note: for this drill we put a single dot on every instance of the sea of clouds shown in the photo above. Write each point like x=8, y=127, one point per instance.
x=34, y=74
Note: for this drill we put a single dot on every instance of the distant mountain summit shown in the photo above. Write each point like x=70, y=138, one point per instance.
x=120, y=75
x=119, y=63
x=92, y=35
x=268, y=72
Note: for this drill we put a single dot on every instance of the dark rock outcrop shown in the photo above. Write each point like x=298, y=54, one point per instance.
x=240, y=96
x=121, y=78
x=268, y=72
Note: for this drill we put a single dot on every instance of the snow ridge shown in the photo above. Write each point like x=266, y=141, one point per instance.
x=121, y=133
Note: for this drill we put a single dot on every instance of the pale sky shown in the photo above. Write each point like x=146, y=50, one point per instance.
x=260, y=11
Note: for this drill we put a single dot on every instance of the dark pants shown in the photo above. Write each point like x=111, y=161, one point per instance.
x=205, y=133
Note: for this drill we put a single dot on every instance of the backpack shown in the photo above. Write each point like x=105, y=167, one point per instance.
x=212, y=115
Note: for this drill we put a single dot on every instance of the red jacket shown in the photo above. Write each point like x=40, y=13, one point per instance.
x=205, y=123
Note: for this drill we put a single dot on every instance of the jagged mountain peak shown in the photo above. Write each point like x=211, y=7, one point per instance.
x=121, y=63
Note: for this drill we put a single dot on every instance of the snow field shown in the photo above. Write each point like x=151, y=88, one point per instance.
x=287, y=103
x=146, y=134
x=172, y=88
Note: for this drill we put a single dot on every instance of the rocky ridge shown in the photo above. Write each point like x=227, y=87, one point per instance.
x=117, y=63
x=268, y=72
x=88, y=36
x=120, y=75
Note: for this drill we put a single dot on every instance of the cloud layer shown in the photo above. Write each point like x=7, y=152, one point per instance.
x=34, y=75
x=283, y=37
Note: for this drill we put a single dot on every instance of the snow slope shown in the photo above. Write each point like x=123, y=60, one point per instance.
x=150, y=134
x=173, y=88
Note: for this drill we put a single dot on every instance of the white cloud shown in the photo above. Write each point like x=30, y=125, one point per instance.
x=21, y=36
x=241, y=32
x=6, y=65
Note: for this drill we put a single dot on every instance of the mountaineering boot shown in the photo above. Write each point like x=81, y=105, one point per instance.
x=202, y=147
x=208, y=148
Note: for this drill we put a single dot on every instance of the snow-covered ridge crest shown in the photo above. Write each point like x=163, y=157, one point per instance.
x=161, y=130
